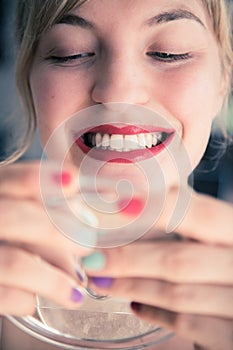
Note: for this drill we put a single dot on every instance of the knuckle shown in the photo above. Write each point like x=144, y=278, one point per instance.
x=12, y=261
x=29, y=173
x=120, y=263
x=27, y=306
x=178, y=295
x=59, y=281
x=130, y=286
x=174, y=260
x=185, y=324
x=179, y=258
x=4, y=295
x=175, y=297
x=16, y=302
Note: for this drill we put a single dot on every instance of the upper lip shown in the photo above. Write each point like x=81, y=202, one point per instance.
x=123, y=130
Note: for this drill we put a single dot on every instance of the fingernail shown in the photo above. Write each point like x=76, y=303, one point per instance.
x=131, y=207
x=80, y=276
x=85, y=237
x=102, y=282
x=76, y=295
x=62, y=178
x=95, y=261
x=137, y=307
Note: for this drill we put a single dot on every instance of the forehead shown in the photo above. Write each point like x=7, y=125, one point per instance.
x=111, y=11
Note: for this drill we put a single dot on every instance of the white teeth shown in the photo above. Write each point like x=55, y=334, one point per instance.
x=93, y=140
x=106, y=140
x=124, y=143
x=131, y=142
x=141, y=140
x=148, y=140
x=155, y=139
x=116, y=142
x=98, y=140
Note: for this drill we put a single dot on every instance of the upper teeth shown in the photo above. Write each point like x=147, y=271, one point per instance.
x=124, y=143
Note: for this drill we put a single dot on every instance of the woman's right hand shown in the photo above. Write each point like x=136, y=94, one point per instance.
x=35, y=258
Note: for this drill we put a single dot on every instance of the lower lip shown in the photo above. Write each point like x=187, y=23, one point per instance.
x=133, y=156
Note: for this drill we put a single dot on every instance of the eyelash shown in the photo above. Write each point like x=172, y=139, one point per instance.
x=66, y=59
x=168, y=57
x=155, y=55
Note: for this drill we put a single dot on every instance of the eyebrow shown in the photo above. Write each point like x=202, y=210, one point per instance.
x=163, y=17
x=75, y=20
x=173, y=15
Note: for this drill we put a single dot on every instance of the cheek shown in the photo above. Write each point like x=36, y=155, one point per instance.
x=195, y=93
x=56, y=97
x=194, y=100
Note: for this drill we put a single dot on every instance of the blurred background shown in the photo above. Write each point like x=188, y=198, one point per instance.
x=213, y=176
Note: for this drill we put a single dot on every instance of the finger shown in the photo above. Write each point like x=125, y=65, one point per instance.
x=26, y=223
x=187, y=262
x=187, y=298
x=208, y=220
x=23, y=221
x=210, y=332
x=16, y=302
x=24, y=180
x=22, y=270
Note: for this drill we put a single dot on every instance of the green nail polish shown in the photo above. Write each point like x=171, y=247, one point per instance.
x=95, y=261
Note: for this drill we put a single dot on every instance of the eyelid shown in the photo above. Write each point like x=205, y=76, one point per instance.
x=168, y=57
x=73, y=57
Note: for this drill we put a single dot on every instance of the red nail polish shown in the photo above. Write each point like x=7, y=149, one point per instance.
x=131, y=207
x=136, y=306
x=63, y=178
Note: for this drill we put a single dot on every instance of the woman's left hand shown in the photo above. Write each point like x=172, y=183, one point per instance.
x=185, y=285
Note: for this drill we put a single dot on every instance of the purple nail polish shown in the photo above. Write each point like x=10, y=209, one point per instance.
x=102, y=282
x=76, y=295
x=80, y=276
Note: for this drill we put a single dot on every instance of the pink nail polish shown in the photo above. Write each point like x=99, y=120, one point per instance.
x=63, y=178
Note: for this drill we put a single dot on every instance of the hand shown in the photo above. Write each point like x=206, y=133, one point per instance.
x=35, y=258
x=184, y=285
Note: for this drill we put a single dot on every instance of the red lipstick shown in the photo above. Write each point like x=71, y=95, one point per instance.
x=128, y=156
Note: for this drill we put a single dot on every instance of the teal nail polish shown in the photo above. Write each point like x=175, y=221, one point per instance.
x=95, y=261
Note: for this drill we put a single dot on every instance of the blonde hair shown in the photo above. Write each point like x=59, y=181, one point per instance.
x=34, y=17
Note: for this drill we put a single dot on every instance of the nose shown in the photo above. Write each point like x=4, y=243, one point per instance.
x=120, y=80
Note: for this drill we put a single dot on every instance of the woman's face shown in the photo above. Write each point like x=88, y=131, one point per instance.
x=158, y=54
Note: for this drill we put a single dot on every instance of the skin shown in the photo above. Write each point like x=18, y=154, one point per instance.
x=28, y=265
x=188, y=93
x=62, y=89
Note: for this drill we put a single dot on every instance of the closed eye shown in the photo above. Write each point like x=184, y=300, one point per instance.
x=71, y=58
x=168, y=57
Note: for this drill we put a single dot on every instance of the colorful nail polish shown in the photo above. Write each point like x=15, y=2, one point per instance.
x=132, y=207
x=95, y=261
x=76, y=295
x=62, y=178
x=137, y=307
x=80, y=276
x=85, y=236
x=102, y=282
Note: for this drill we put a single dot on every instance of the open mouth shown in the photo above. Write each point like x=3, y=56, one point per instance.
x=120, y=144
x=123, y=143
